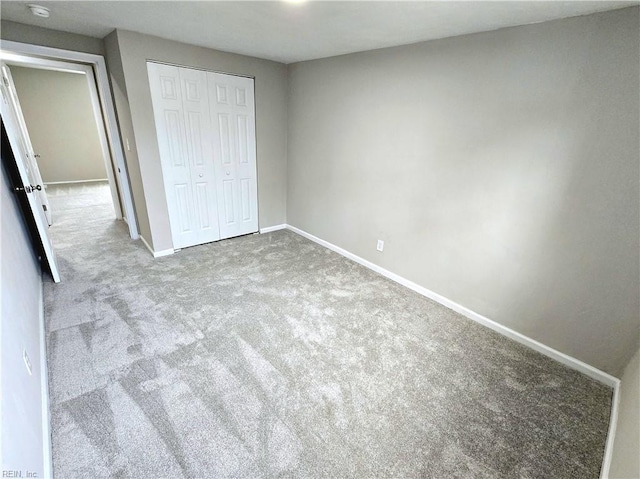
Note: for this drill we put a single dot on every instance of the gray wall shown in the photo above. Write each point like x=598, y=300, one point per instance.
x=625, y=462
x=501, y=170
x=21, y=420
x=18, y=32
x=59, y=116
x=134, y=49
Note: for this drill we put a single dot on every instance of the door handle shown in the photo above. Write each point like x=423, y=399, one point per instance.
x=29, y=188
x=228, y=172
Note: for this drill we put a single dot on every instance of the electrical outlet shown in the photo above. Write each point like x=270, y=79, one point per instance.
x=27, y=363
x=128, y=147
x=380, y=246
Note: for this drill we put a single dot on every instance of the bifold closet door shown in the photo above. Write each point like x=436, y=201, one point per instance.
x=232, y=107
x=182, y=117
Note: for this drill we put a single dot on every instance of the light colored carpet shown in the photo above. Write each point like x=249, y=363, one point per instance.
x=270, y=356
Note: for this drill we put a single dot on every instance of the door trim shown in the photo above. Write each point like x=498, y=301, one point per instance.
x=190, y=67
x=103, y=90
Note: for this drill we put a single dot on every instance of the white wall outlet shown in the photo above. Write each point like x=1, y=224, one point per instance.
x=27, y=362
x=380, y=246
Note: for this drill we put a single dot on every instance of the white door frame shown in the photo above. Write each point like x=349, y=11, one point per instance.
x=103, y=91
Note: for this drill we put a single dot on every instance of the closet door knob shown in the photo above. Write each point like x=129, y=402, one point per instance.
x=228, y=172
x=200, y=175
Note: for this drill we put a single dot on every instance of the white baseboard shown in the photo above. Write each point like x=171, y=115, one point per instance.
x=47, y=457
x=565, y=359
x=105, y=180
x=611, y=434
x=156, y=254
x=269, y=229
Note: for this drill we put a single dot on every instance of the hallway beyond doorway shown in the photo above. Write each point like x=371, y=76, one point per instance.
x=83, y=216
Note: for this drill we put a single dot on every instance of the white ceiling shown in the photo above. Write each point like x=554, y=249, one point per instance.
x=291, y=32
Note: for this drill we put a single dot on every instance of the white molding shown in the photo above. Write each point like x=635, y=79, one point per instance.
x=47, y=458
x=270, y=229
x=99, y=67
x=165, y=252
x=144, y=242
x=563, y=358
x=76, y=181
x=107, y=158
x=156, y=254
x=611, y=434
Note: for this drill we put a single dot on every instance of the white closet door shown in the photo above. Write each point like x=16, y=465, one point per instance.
x=180, y=104
x=233, y=118
x=200, y=152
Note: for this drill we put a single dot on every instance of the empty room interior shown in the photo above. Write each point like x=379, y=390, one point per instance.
x=320, y=239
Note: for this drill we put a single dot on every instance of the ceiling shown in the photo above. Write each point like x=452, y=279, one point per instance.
x=291, y=32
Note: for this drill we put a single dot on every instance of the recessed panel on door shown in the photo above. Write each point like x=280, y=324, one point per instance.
x=194, y=138
x=184, y=207
x=204, y=199
x=224, y=142
x=173, y=120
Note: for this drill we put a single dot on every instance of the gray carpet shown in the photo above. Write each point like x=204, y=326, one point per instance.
x=270, y=356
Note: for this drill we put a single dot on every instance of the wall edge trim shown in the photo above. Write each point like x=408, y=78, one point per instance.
x=156, y=254
x=611, y=433
x=72, y=182
x=270, y=229
x=47, y=459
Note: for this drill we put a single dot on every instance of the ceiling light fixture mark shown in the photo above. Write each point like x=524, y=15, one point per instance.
x=39, y=10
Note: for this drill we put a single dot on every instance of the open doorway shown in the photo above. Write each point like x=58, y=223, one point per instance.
x=68, y=116
x=70, y=146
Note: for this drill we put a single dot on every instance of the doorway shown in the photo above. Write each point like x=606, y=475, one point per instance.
x=65, y=130
x=64, y=154
x=94, y=69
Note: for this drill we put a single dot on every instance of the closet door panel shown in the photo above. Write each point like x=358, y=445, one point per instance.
x=166, y=96
x=206, y=136
x=199, y=141
x=233, y=114
x=245, y=123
